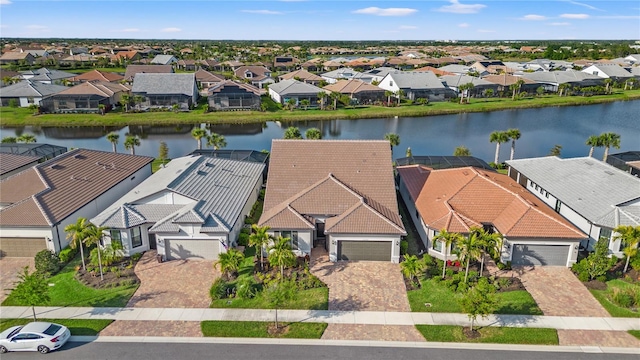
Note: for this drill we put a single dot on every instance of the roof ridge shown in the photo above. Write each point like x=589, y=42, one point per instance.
x=296, y=213
x=382, y=215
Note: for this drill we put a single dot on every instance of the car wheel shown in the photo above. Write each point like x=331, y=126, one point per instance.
x=43, y=349
x=3, y=349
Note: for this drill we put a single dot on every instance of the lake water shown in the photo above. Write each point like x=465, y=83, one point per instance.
x=433, y=135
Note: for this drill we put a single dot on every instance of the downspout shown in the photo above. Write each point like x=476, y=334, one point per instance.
x=58, y=233
x=589, y=235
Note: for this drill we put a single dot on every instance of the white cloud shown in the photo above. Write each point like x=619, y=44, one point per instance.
x=574, y=16
x=559, y=24
x=5, y=2
x=262, y=12
x=464, y=25
x=458, y=8
x=408, y=27
x=171, y=30
x=486, y=31
x=533, y=17
x=385, y=12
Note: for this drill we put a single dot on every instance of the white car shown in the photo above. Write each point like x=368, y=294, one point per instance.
x=35, y=336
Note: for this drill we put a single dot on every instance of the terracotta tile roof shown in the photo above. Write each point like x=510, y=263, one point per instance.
x=457, y=199
x=97, y=75
x=64, y=184
x=434, y=70
x=352, y=86
x=350, y=182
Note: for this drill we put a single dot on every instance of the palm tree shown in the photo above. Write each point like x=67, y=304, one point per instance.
x=609, y=140
x=465, y=89
x=137, y=99
x=562, y=88
x=388, y=94
x=292, y=132
x=217, y=141
x=113, y=139
x=125, y=100
x=515, y=87
x=77, y=233
x=408, y=153
x=94, y=235
x=130, y=143
x=594, y=141
x=399, y=94
x=102, y=108
x=305, y=103
x=198, y=134
x=489, y=243
x=322, y=96
x=411, y=267
x=335, y=96
x=259, y=239
x=313, y=134
x=607, y=84
x=9, y=140
x=513, y=134
x=629, y=237
x=26, y=138
x=229, y=261
x=488, y=93
x=447, y=238
x=498, y=137
x=393, y=139
x=461, y=151
x=281, y=255
x=468, y=249
x=291, y=103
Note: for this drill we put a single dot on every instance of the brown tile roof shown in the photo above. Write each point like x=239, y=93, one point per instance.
x=258, y=72
x=105, y=89
x=62, y=185
x=434, y=70
x=506, y=80
x=10, y=162
x=301, y=74
x=457, y=199
x=14, y=55
x=132, y=70
x=352, y=86
x=97, y=75
x=204, y=75
x=349, y=181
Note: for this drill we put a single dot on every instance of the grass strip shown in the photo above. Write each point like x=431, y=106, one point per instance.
x=90, y=327
x=259, y=329
x=495, y=335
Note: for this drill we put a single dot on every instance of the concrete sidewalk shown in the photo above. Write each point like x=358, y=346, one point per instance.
x=325, y=316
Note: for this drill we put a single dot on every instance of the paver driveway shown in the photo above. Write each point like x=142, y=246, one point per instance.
x=173, y=284
x=9, y=268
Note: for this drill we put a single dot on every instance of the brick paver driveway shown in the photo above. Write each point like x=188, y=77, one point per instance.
x=9, y=268
x=361, y=285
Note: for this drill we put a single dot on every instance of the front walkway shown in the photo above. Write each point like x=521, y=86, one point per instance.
x=9, y=269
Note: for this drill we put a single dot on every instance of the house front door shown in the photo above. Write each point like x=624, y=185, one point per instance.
x=152, y=241
x=320, y=236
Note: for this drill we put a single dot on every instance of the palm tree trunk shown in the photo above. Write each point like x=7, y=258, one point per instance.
x=466, y=273
x=626, y=265
x=100, y=262
x=481, y=264
x=497, y=153
x=133, y=150
x=113, y=145
x=282, y=270
x=513, y=149
x=84, y=267
x=444, y=265
x=462, y=97
x=199, y=144
x=591, y=151
x=606, y=153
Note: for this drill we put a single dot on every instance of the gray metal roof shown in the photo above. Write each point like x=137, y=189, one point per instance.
x=160, y=84
x=218, y=187
x=28, y=88
x=416, y=80
x=562, y=77
x=611, y=70
x=589, y=186
x=163, y=59
x=295, y=87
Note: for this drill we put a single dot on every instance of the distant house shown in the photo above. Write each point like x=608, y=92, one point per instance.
x=47, y=76
x=85, y=97
x=480, y=86
x=132, y=70
x=205, y=79
x=193, y=208
x=258, y=76
x=286, y=90
x=97, y=75
x=459, y=69
x=302, y=75
x=504, y=81
x=14, y=57
x=459, y=199
x=38, y=203
x=231, y=95
x=11, y=164
x=285, y=62
x=334, y=76
x=164, y=60
x=165, y=90
x=551, y=80
x=415, y=85
x=28, y=92
x=187, y=65
x=379, y=73
x=360, y=92
x=608, y=71
x=593, y=195
x=482, y=67
x=628, y=161
x=8, y=77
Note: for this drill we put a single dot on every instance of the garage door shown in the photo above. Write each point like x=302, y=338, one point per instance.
x=184, y=249
x=553, y=255
x=21, y=247
x=364, y=250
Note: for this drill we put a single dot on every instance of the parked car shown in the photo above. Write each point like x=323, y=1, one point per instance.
x=36, y=336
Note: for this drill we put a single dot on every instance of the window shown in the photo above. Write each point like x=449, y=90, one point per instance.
x=390, y=83
x=293, y=235
x=437, y=245
x=558, y=206
x=30, y=100
x=116, y=237
x=136, y=237
x=605, y=233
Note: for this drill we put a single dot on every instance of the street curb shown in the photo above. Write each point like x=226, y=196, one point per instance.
x=356, y=343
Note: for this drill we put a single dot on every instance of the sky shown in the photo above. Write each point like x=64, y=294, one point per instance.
x=322, y=20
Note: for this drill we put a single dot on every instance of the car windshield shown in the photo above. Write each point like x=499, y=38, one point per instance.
x=52, y=329
x=14, y=332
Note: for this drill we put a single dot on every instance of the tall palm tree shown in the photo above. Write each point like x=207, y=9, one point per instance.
x=411, y=267
x=630, y=238
x=461, y=151
x=94, y=235
x=292, y=132
x=562, y=88
x=335, y=96
x=609, y=140
x=594, y=141
x=322, y=96
x=313, y=134
x=281, y=255
x=113, y=139
x=498, y=137
x=388, y=94
x=130, y=143
x=447, y=238
x=26, y=138
x=229, y=261
x=259, y=239
x=489, y=243
x=513, y=134
x=125, y=100
x=393, y=139
x=399, y=94
x=468, y=249
x=217, y=141
x=77, y=233
x=198, y=134
x=515, y=87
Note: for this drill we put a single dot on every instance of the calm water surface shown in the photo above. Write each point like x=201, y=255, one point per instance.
x=433, y=135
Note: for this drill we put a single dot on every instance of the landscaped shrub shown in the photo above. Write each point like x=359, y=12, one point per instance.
x=67, y=254
x=218, y=289
x=109, y=255
x=504, y=266
x=243, y=239
x=245, y=288
x=404, y=246
x=623, y=297
x=634, y=262
x=47, y=263
x=136, y=256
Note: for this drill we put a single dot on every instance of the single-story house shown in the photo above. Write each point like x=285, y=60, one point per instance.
x=359, y=91
x=187, y=65
x=345, y=73
x=85, y=97
x=453, y=82
x=302, y=75
x=504, y=81
x=377, y=74
x=15, y=57
x=28, y=92
x=38, y=203
x=231, y=95
x=11, y=164
x=285, y=62
x=285, y=90
x=551, y=80
x=258, y=76
x=166, y=90
x=132, y=70
x=458, y=199
x=458, y=69
x=205, y=79
x=47, y=76
x=164, y=60
x=593, y=195
x=97, y=75
x=338, y=194
x=628, y=161
x=415, y=85
x=608, y=71
x=193, y=207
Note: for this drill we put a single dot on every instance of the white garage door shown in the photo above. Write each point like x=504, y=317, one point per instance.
x=184, y=249
x=550, y=255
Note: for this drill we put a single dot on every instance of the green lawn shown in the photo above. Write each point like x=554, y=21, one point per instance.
x=613, y=309
x=155, y=165
x=76, y=326
x=22, y=116
x=442, y=299
x=496, y=335
x=67, y=291
x=257, y=329
x=635, y=333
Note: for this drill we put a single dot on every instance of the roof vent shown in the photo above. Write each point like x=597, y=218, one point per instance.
x=608, y=172
x=79, y=156
x=200, y=172
x=56, y=166
x=588, y=163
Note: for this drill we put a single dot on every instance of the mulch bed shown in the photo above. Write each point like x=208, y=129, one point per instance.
x=123, y=276
x=514, y=284
x=595, y=285
x=470, y=334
